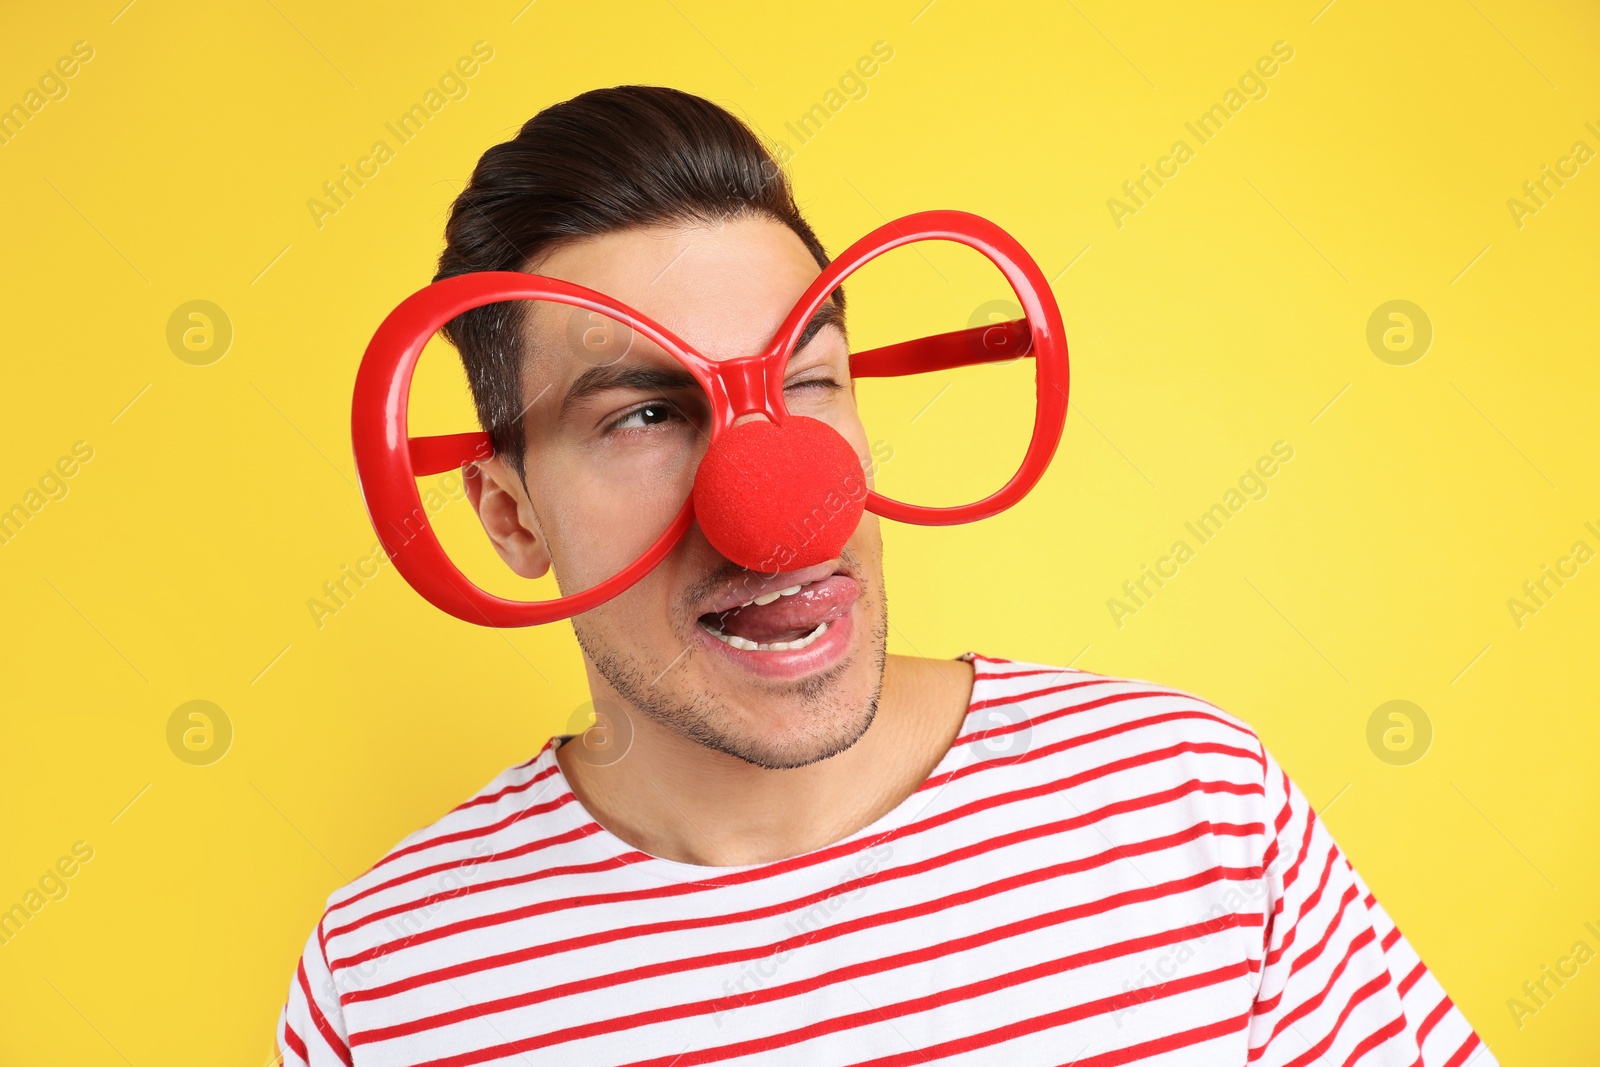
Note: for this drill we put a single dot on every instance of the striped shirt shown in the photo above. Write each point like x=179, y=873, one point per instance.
x=1099, y=871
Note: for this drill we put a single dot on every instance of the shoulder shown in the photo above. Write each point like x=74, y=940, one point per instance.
x=1113, y=728
x=513, y=816
x=1154, y=788
x=468, y=832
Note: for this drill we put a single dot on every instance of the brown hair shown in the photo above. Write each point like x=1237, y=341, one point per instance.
x=608, y=159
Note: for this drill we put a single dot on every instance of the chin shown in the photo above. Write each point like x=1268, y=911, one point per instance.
x=826, y=716
x=810, y=698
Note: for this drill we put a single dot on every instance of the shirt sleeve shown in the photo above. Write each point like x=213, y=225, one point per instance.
x=1339, y=983
x=311, y=1031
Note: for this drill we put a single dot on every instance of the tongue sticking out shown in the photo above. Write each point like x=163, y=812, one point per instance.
x=789, y=618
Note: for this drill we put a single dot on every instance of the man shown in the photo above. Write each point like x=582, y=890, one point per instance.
x=787, y=846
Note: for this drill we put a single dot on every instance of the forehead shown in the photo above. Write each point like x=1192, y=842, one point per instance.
x=724, y=287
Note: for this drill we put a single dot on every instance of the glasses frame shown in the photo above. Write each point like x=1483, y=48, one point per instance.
x=389, y=461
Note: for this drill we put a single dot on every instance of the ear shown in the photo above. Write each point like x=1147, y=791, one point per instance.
x=507, y=516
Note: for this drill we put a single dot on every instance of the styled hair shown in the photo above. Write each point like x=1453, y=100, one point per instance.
x=605, y=160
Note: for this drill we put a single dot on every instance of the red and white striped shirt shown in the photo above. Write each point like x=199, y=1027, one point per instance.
x=1099, y=871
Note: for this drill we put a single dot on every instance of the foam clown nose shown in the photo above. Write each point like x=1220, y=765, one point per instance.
x=779, y=496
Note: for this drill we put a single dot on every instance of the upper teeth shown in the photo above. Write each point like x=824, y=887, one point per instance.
x=767, y=598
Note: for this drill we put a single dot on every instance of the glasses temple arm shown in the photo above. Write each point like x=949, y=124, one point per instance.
x=448, y=452
x=993, y=343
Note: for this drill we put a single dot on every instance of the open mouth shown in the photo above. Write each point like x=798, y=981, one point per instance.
x=784, y=618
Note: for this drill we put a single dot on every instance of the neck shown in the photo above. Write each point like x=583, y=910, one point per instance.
x=677, y=799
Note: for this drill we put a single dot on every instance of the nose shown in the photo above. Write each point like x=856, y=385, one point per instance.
x=775, y=496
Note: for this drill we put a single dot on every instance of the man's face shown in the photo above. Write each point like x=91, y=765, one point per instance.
x=615, y=432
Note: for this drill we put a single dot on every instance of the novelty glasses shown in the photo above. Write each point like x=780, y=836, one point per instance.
x=945, y=405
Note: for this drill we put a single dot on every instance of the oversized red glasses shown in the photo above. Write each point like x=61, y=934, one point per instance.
x=782, y=490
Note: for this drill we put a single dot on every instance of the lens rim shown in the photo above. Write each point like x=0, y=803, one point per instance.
x=1047, y=345
x=389, y=461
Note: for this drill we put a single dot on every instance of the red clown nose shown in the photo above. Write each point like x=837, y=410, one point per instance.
x=779, y=496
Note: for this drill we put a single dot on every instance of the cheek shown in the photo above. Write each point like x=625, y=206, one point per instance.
x=844, y=417
x=601, y=517
x=867, y=541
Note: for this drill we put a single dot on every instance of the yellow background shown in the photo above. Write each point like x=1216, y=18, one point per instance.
x=1228, y=313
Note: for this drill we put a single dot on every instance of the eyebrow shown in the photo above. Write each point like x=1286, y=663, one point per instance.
x=645, y=378
x=828, y=314
x=636, y=376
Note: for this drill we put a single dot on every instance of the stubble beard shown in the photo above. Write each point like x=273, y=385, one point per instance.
x=702, y=715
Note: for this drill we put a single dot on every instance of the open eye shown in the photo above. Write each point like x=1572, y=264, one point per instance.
x=653, y=413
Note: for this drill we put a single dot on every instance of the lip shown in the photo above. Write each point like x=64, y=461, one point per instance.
x=746, y=588
x=824, y=652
